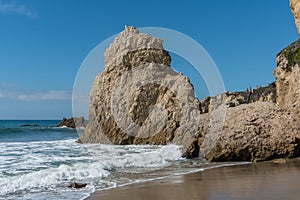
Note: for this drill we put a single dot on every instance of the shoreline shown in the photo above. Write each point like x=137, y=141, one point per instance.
x=264, y=180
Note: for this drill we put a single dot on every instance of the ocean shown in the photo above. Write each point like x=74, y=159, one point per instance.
x=40, y=161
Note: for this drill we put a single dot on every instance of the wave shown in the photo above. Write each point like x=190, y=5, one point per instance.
x=34, y=129
x=61, y=162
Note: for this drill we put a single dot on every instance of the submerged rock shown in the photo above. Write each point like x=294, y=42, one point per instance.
x=30, y=125
x=74, y=122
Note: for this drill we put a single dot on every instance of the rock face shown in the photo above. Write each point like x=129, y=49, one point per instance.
x=287, y=74
x=74, y=122
x=138, y=98
x=233, y=99
x=251, y=132
x=261, y=130
x=295, y=6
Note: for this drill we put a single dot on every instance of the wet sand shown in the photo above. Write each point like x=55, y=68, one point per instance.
x=267, y=180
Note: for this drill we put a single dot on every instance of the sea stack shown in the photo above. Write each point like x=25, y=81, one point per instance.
x=138, y=98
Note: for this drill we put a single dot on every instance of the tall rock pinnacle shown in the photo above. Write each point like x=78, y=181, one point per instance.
x=138, y=98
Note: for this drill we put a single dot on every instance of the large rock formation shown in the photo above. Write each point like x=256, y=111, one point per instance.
x=261, y=130
x=251, y=132
x=295, y=6
x=138, y=98
x=287, y=74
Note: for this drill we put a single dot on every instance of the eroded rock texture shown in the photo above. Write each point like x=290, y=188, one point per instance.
x=251, y=132
x=287, y=74
x=138, y=98
x=295, y=6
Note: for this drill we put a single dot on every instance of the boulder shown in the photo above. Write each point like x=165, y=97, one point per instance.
x=251, y=132
x=295, y=6
x=138, y=98
x=74, y=122
x=77, y=185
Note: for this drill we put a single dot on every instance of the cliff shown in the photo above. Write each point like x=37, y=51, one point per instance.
x=262, y=124
x=287, y=74
x=295, y=7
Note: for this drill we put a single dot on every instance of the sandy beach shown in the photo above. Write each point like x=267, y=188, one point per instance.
x=267, y=180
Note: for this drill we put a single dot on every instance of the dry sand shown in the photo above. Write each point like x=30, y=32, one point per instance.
x=266, y=180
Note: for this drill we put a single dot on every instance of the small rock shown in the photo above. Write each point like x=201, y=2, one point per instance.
x=77, y=185
x=74, y=122
x=79, y=141
x=279, y=161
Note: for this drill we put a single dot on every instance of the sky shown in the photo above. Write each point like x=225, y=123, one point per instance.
x=43, y=43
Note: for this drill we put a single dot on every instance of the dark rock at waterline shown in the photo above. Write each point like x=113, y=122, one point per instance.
x=77, y=185
x=30, y=125
x=78, y=141
x=74, y=122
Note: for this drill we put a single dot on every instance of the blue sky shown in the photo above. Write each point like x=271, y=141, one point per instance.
x=43, y=43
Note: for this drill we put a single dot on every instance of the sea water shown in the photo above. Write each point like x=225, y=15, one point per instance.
x=40, y=161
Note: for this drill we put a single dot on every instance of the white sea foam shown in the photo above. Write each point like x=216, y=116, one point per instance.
x=31, y=169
